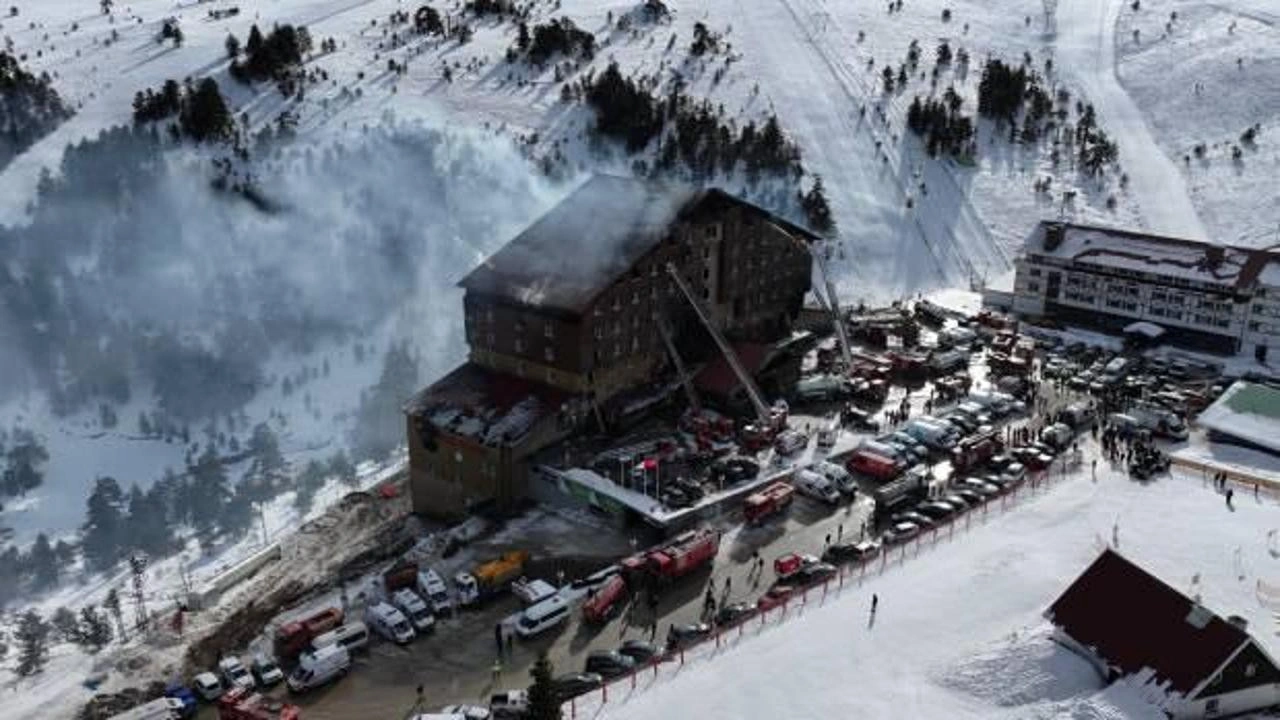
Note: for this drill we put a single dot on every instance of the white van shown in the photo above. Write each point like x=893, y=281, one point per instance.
x=543, y=616
x=431, y=587
x=319, y=667
x=352, y=636
x=816, y=486
x=419, y=615
x=389, y=622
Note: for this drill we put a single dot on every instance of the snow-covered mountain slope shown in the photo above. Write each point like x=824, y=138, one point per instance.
x=1204, y=79
x=908, y=222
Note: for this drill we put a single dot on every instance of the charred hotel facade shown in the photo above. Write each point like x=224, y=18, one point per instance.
x=565, y=326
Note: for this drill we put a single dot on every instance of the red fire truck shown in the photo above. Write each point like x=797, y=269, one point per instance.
x=292, y=638
x=773, y=500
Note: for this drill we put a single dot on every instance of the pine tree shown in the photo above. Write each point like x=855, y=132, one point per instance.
x=814, y=204
x=254, y=43
x=205, y=115
x=112, y=605
x=310, y=481
x=233, y=46
x=342, y=468
x=95, y=629
x=66, y=627
x=522, y=37
x=543, y=703
x=32, y=636
x=43, y=563
x=103, y=528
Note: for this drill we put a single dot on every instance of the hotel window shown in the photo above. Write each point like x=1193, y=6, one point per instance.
x=488, y=314
x=519, y=345
x=617, y=304
x=1033, y=287
x=490, y=339
x=1035, y=272
x=635, y=298
x=599, y=331
x=548, y=330
x=549, y=354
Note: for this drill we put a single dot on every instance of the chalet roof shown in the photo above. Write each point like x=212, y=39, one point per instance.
x=1133, y=620
x=1232, y=267
x=578, y=248
x=488, y=407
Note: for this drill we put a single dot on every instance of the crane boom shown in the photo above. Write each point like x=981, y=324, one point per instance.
x=834, y=306
x=753, y=392
x=685, y=379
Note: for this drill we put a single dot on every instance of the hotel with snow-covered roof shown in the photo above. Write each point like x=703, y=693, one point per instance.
x=1215, y=298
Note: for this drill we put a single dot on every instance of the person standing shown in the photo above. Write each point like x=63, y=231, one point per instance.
x=497, y=637
x=875, y=602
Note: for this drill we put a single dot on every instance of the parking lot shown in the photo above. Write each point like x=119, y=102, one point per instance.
x=456, y=664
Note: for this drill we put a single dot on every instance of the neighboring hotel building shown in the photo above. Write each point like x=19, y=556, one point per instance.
x=561, y=325
x=1206, y=297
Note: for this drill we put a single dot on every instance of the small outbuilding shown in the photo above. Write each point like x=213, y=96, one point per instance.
x=1125, y=621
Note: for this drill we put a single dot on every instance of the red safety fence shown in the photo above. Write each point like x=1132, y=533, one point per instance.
x=854, y=570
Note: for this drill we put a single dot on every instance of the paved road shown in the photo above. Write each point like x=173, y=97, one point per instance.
x=453, y=665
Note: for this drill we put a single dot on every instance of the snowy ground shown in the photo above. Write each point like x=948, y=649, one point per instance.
x=959, y=632
x=1161, y=68
x=814, y=62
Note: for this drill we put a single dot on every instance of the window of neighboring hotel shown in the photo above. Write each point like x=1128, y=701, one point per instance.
x=1033, y=287
x=549, y=354
x=490, y=339
x=599, y=331
x=519, y=345
x=488, y=314
x=1035, y=272
x=1254, y=325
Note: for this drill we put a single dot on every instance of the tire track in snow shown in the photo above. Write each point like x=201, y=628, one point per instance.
x=1086, y=44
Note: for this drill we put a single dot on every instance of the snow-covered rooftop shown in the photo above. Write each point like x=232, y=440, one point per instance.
x=1248, y=411
x=1189, y=260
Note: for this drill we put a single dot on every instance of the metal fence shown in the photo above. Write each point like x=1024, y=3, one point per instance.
x=850, y=574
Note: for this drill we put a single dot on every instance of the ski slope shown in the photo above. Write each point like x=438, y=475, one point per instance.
x=1086, y=43
x=959, y=631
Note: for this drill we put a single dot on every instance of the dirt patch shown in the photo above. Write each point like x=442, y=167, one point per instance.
x=240, y=628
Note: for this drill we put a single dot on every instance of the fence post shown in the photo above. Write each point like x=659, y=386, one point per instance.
x=841, y=586
x=825, y=583
x=717, y=638
x=655, y=666
x=573, y=708
x=633, y=681
x=682, y=656
x=604, y=693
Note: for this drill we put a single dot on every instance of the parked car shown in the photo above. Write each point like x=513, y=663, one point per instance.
x=813, y=573
x=541, y=617
x=900, y=533
x=266, y=670
x=609, y=664
x=509, y=704
x=858, y=418
x=911, y=516
x=777, y=594
x=207, y=686
x=638, y=650
x=984, y=489
x=790, y=441
x=853, y=551
x=972, y=497
x=572, y=685
x=816, y=486
x=235, y=674
x=1014, y=473
x=733, y=470
x=686, y=634
x=840, y=477
x=957, y=501
x=936, y=509
x=734, y=612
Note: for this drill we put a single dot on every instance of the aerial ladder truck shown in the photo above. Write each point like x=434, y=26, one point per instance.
x=769, y=421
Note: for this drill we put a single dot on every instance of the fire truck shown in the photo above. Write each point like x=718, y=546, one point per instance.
x=292, y=638
x=773, y=500
x=684, y=554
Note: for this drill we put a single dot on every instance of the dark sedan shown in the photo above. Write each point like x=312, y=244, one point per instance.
x=572, y=685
